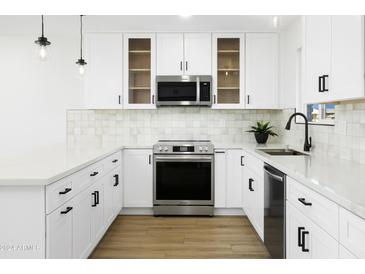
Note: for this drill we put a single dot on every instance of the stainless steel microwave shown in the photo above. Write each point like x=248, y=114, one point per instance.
x=184, y=90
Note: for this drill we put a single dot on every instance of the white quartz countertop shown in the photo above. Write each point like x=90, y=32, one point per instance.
x=42, y=166
x=341, y=181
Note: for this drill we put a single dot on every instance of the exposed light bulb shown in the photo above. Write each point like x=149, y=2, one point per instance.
x=275, y=21
x=43, y=53
x=81, y=69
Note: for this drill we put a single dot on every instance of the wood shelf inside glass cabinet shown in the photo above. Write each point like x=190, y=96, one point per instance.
x=139, y=54
x=228, y=71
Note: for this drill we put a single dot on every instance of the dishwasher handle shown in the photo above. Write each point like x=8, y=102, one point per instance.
x=276, y=177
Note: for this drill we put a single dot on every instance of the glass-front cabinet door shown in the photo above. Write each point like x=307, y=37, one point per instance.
x=139, y=71
x=228, y=66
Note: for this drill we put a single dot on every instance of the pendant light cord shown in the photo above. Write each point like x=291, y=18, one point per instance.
x=81, y=36
x=42, y=27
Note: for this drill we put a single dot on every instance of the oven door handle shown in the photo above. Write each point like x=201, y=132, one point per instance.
x=184, y=158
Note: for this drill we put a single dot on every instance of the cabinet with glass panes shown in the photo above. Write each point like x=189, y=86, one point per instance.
x=140, y=72
x=228, y=71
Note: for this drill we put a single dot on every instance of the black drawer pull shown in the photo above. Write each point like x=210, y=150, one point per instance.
x=300, y=229
x=97, y=197
x=115, y=160
x=67, y=190
x=303, y=241
x=302, y=200
x=68, y=209
x=94, y=173
x=95, y=201
x=250, y=184
x=116, y=176
x=242, y=164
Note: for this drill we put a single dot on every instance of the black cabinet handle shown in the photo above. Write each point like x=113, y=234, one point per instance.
x=300, y=229
x=68, y=209
x=67, y=190
x=324, y=82
x=115, y=160
x=94, y=174
x=186, y=65
x=116, y=176
x=248, y=99
x=242, y=164
x=149, y=159
x=320, y=84
x=153, y=99
x=304, y=249
x=181, y=63
x=94, y=196
x=302, y=200
x=250, y=184
x=119, y=99
x=214, y=99
x=97, y=197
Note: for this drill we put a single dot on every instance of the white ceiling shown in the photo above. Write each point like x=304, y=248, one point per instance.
x=62, y=24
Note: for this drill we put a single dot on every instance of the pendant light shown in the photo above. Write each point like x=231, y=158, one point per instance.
x=42, y=43
x=81, y=62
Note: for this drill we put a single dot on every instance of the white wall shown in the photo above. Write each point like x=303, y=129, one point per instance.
x=34, y=95
x=290, y=42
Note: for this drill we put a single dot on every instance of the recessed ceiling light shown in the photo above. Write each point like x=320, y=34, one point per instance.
x=275, y=21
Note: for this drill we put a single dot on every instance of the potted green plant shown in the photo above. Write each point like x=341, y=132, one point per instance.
x=262, y=130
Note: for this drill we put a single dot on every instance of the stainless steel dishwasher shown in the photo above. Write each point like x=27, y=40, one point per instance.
x=274, y=211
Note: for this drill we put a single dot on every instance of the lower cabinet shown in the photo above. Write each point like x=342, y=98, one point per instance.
x=59, y=232
x=306, y=240
x=75, y=228
x=253, y=199
x=228, y=174
x=137, y=178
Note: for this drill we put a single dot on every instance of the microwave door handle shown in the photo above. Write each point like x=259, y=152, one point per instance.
x=197, y=90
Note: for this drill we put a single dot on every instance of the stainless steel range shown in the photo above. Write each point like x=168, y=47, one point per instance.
x=183, y=177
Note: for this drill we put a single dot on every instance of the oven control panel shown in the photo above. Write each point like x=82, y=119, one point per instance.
x=183, y=148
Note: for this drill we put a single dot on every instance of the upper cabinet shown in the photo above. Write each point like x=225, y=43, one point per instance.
x=139, y=70
x=262, y=65
x=333, y=58
x=184, y=54
x=228, y=70
x=103, y=76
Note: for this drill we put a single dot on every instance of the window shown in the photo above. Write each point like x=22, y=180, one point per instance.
x=321, y=114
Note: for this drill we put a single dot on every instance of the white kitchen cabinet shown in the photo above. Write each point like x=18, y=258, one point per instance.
x=306, y=240
x=97, y=211
x=228, y=72
x=352, y=233
x=253, y=197
x=334, y=58
x=82, y=231
x=139, y=70
x=103, y=76
x=137, y=178
x=59, y=232
x=347, y=57
x=343, y=253
x=112, y=195
x=184, y=54
x=262, y=65
x=198, y=53
x=228, y=172
x=170, y=53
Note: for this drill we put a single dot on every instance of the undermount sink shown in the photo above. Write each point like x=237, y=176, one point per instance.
x=283, y=152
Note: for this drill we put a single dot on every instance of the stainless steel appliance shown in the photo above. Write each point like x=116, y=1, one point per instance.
x=184, y=90
x=183, y=178
x=274, y=212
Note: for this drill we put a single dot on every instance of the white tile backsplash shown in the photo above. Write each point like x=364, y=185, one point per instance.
x=140, y=127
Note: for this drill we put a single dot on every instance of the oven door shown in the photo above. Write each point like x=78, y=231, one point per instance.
x=183, y=180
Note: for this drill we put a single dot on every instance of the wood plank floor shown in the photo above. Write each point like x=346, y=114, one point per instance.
x=147, y=237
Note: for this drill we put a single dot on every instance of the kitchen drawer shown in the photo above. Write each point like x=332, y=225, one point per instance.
x=59, y=192
x=352, y=233
x=319, y=209
x=253, y=163
x=112, y=161
x=89, y=175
